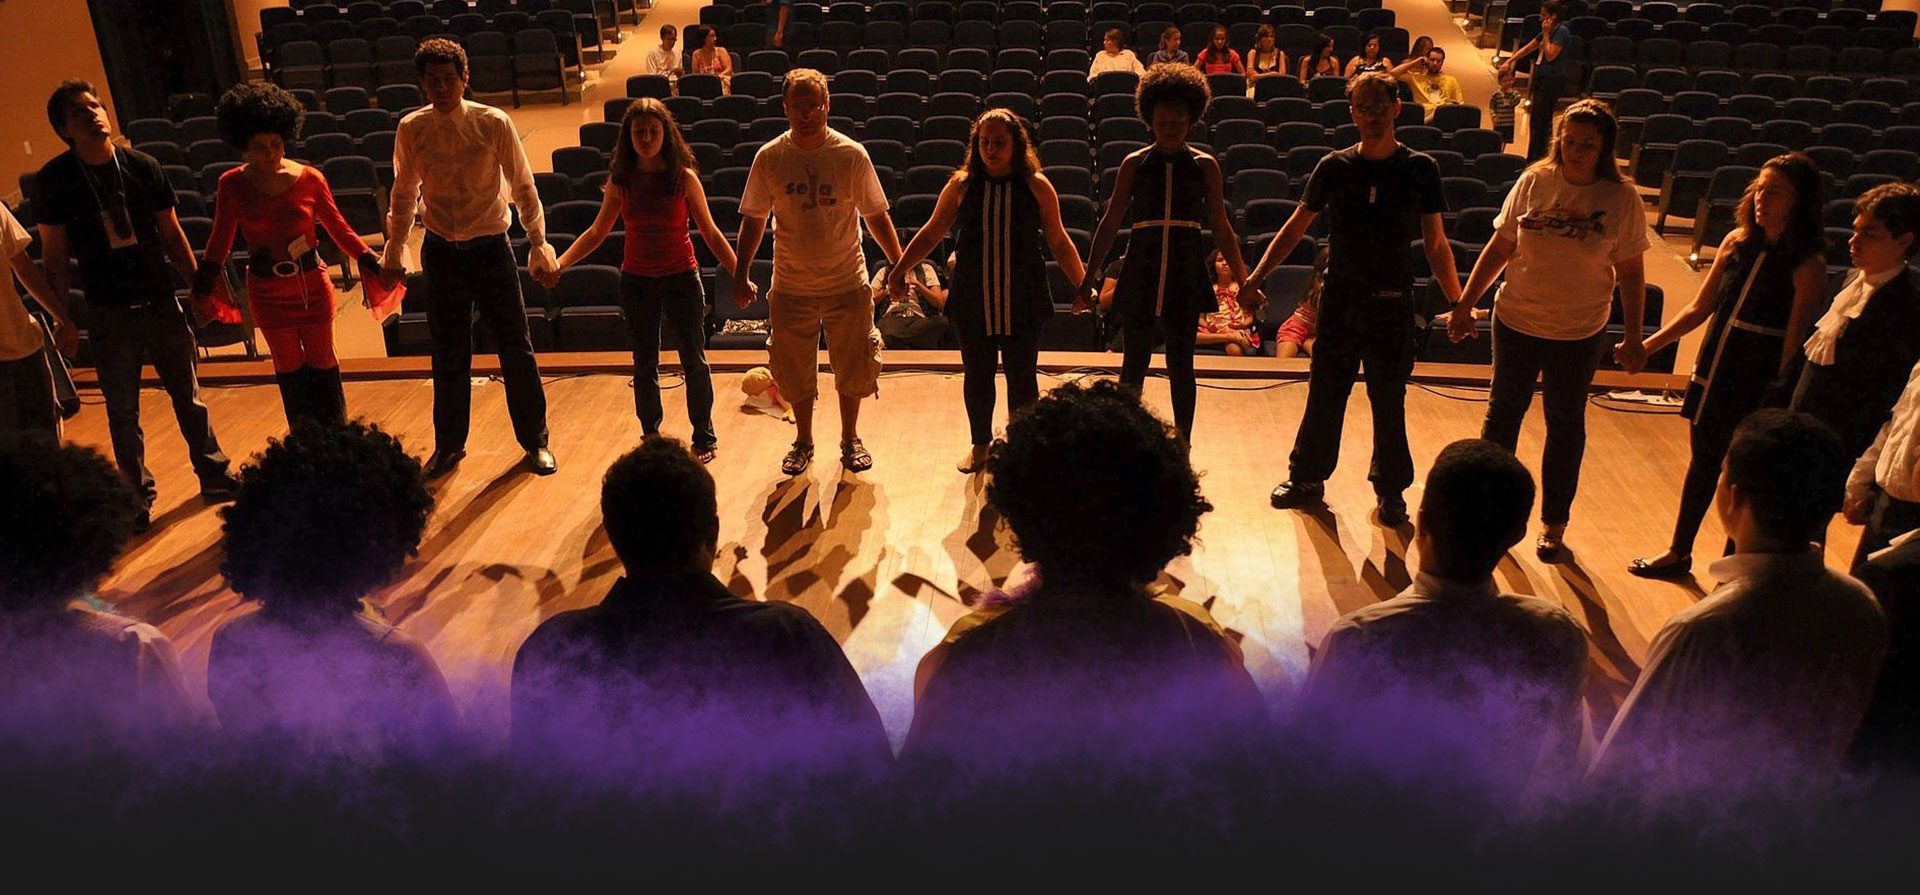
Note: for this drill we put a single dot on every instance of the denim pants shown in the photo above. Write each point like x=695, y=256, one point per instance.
x=1565, y=369
x=26, y=397
x=679, y=299
x=158, y=334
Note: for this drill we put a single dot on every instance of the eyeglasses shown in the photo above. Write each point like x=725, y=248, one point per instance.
x=1373, y=109
x=804, y=110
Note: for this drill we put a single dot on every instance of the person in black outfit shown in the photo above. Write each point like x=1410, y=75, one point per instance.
x=1857, y=360
x=1378, y=196
x=1004, y=210
x=1762, y=292
x=672, y=679
x=1551, y=73
x=1889, y=736
x=112, y=209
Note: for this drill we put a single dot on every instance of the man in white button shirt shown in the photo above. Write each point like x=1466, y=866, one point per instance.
x=465, y=162
x=1759, y=688
x=1883, y=493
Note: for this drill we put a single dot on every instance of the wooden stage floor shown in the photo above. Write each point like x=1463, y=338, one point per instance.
x=887, y=560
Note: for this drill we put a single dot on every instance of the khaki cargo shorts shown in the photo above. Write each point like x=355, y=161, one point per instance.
x=853, y=344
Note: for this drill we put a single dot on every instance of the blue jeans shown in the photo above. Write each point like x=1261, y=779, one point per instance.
x=679, y=299
x=1565, y=368
x=157, y=334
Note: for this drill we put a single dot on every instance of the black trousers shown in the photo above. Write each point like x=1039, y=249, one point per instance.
x=1545, y=91
x=26, y=397
x=1890, y=518
x=678, y=299
x=1179, y=336
x=980, y=354
x=1708, y=443
x=1565, y=368
x=1359, y=329
x=158, y=333
x=479, y=274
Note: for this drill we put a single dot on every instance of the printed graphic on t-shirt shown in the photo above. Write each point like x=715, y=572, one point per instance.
x=817, y=194
x=1566, y=223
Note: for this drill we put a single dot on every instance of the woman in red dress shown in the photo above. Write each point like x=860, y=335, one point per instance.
x=277, y=205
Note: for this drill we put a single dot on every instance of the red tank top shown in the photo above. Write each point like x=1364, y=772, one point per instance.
x=658, y=244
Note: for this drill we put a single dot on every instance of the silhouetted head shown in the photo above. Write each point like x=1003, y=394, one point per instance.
x=324, y=517
x=1474, y=510
x=1787, y=473
x=65, y=515
x=261, y=120
x=658, y=504
x=1095, y=488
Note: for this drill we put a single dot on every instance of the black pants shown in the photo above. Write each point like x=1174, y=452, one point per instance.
x=1138, y=339
x=980, y=354
x=1709, y=443
x=1889, y=518
x=1357, y=328
x=479, y=274
x=1565, y=368
x=679, y=299
x=26, y=397
x=125, y=338
x=1545, y=91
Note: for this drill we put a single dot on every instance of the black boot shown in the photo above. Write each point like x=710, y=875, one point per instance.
x=329, y=396
x=294, y=395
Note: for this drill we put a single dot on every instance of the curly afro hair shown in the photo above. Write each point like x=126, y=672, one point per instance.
x=66, y=516
x=658, y=505
x=1172, y=82
x=323, y=517
x=252, y=108
x=1095, y=487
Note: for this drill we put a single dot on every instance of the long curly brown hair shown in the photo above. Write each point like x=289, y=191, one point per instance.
x=626, y=161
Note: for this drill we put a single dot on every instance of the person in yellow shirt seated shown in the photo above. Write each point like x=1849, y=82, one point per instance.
x=1431, y=87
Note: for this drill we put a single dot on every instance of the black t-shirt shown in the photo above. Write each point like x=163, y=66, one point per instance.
x=133, y=189
x=1373, y=211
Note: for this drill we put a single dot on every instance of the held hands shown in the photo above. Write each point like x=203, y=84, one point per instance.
x=391, y=276
x=896, y=288
x=1630, y=355
x=1251, y=298
x=548, y=278
x=66, y=336
x=1460, y=324
x=1857, y=507
x=745, y=293
x=1084, y=299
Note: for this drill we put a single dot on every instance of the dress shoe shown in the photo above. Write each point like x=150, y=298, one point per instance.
x=219, y=489
x=541, y=461
x=1673, y=568
x=1393, y=511
x=1293, y=495
x=443, y=462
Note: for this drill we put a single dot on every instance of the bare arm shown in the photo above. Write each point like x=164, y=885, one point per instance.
x=54, y=257
x=1283, y=243
x=1631, y=277
x=751, y=229
x=945, y=211
x=1224, y=238
x=1058, y=242
x=1109, y=227
x=65, y=336
x=612, y=202
x=1440, y=256
x=880, y=226
x=1701, y=308
x=1809, y=290
x=1492, y=262
x=703, y=221
x=174, y=240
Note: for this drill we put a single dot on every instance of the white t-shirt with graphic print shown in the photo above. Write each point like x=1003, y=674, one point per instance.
x=1560, y=282
x=816, y=198
x=19, y=335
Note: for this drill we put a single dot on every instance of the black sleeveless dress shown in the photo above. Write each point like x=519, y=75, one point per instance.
x=1741, y=354
x=1165, y=274
x=999, y=281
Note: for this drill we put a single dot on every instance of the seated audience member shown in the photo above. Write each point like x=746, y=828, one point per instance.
x=1454, y=685
x=1114, y=56
x=918, y=321
x=1759, y=688
x=665, y=58
x=325, y=517
x=1218, y=58
x=75, y=679
x=1231, y=328
x=672, y=681
x=1087, y=682
x=1431, y=87
x=1883, y=489
x=1169, y=50
x=712, y=58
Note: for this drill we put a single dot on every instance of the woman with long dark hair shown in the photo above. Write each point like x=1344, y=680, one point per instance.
x=1570, y=232
x=1004, y=209
x=654, y=187
x=278, y=205
x=1763, y=293
x=1324, y=61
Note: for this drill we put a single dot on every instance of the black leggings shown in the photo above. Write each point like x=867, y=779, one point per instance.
x=1138, y=339
x=1710, y=443
x=980, y=354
